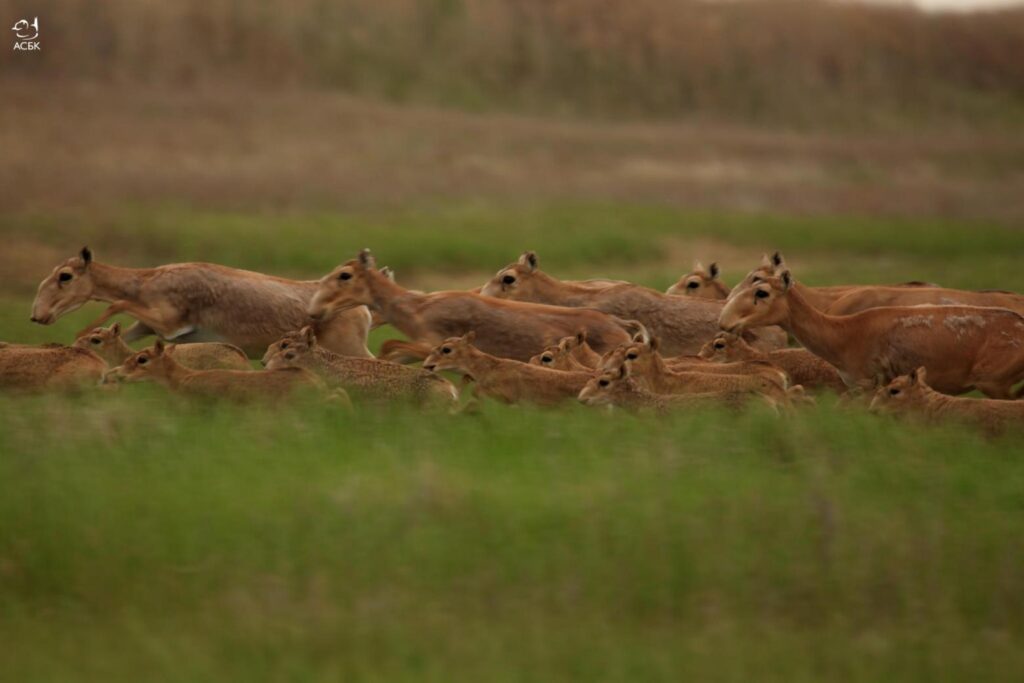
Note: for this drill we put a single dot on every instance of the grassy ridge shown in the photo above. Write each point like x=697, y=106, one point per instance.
x=140, y=534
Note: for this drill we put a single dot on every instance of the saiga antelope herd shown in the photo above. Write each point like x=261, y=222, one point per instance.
x=527, y=336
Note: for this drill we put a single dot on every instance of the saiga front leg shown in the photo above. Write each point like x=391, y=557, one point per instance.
x=152, y=318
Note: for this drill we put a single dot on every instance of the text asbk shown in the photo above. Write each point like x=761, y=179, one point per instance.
x=26, y=32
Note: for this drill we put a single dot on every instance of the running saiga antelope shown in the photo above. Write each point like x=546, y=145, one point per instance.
x=802, y=366
x=615, y=387
x=53, y=366
x=823, y=298
x=196, y=302
x=370, y=377
x=555, y=357
x=644, y=349
x=503, y=379
x=153, y=364
x=682, y=323
x=108, y=344
x=509, y=329
x=701, y=282
x=963, y=347
x=570, y=353
x=856, y=298
x=649, y=370
x=910, y=394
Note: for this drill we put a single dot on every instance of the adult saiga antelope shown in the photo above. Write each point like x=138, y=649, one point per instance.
x=702, y=283
x=682, y=323
x=962, y=347
x=508, y=329
x=197, y=302
x=848, y=299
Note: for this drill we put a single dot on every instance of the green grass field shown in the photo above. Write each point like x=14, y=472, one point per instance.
x=146, y=538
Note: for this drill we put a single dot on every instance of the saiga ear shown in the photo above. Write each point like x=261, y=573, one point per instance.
x=388, y=273
x=642, y=336
x=366, y=259
x=787, y=281
x=581, y=337
x=308, y=335
x=713, y=270
x=652, y=344
x=470, y=337
x=918, y=376
x=698, y=266
x=529, y=260
x=86, y=255
x=115, y=329
x=158, y=347
x=777, y=260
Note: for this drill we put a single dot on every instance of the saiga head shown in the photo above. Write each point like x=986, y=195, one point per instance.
x=763, y=303
x=514, y=281
x=344, y=287
x=449, y=354
x=64, y=290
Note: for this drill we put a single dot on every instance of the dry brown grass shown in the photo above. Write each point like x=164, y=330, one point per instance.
x=81, y=145
x=798, y=62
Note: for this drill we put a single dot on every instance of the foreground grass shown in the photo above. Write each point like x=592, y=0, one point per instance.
x=143, y=537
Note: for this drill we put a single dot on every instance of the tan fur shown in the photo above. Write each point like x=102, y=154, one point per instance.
x=649, y=370
x=616, y=387
x=508, y=329
x=682, y=323
x=570, y=353
x=577, y=347
x=196, y=302
x=802, y=366
x=963, y=347
x=556, y=358
x=370, y=377
x=910, y=394
x=109, y=345
x=761, y=368
x=401, y=351
x=700, y=282
x=643, y=353
x=850, y=299
x=862, y=298
x=37, y=368
x=505, y=380
x=821, y=298
x=237, y=385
